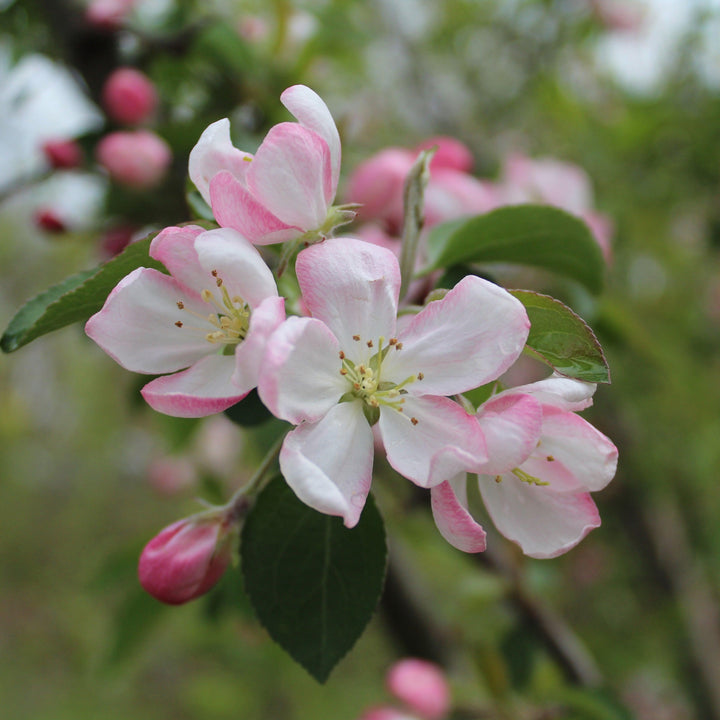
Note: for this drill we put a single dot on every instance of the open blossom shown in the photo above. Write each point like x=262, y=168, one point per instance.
x=287, y=188
x=352, y=364
x=544, y=460
x=212, y=315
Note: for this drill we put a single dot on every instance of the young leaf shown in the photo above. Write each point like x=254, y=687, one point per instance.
x=314, y=584
x=562, y=339
x=74, y=299
x=536, y=235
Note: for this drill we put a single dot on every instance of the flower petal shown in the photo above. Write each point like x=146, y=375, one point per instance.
x=328, y=464
x=352, y=286
x=136, y=326
x=174, y=247
x=300, y=375
x=454, y=521
x=564, y=393
x=511, y=425
x=203, y=389
x=235, y=207
x=468, y=338
x=444, y=441
x=543, y=523
x=239, y=265
x=213, y=153
x=309, y=108
x=291, y=175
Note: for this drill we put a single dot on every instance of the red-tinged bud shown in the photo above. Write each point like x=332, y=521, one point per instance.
x=138, y=159
x=48, y=220
x=422, y=686
x=116, y=239
x=108, y=14
x=129, y=96
x=187, y=558
x=63, y=154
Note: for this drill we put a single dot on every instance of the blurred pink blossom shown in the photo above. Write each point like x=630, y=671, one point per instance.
x=63, y=154
x=108, y=14
x=138, y=159
x=422, y=686
x=129, y=96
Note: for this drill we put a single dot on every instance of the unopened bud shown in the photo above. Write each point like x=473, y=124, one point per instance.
x=63, y=154
x=187, y=558
x=108, y=14
x=48, y=220
x=421, y=685
x=137, y=159
x=129, y=96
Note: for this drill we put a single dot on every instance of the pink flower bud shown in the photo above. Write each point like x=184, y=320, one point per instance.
x=137, y=159
x=48, y=220
x=129, y=96
x=108, y=14
x=421, y=685
x=187, y=558
x=63, y=154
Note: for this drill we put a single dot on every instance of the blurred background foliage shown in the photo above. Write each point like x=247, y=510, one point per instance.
x=624, y=626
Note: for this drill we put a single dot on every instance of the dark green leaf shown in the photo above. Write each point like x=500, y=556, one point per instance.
x=250, y=411
x=536, y=235
x=75, y=299
x=314, y=584
x=562, y=339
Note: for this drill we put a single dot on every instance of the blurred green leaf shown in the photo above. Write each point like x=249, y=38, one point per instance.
x=314, y=584
x=76, y=298
x=536, y=235
x=562, y=339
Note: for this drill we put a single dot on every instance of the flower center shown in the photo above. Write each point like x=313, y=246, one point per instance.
x=230, y=316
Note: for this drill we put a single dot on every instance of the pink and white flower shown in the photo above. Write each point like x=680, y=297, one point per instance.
x=287, y=188
x=353, y=364
x=211, y=315
x=544, y=460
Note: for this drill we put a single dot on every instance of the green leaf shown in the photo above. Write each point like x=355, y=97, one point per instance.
x=314, y=584
x=74, y=299
x=536, y=235
x=562, y=339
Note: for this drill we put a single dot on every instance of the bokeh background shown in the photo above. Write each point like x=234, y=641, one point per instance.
x=627, y=625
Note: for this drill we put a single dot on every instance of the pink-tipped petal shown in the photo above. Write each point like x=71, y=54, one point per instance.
x=136, y=326
x=468, y=338
x=564, y=393
x=203, y=389
x=300, y=375
x=352, y=286
x=328, y=464
x=431, y=440
x=291, y=176
x=542, y=522
x=213, y=153
x=312, y=112
x=235, y=207
x=237, y=263
x=511, y=425
x=249, y=354
x=174, y=247
x=454, y=521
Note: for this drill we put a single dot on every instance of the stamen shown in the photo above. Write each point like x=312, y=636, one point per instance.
x=393, y=341
x=498, y=479
x=398, y=346
x=550, y=458
x=178, y=323
x=214, y=273
x=369, y=343
x=181, y=305
x=420, y=376
x=342, y=355
x=343, y=371
x=414, y=420
x=356, y=337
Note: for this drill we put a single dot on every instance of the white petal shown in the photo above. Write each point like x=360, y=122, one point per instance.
x=329, y=464
x=454, y=521
x=562, y=392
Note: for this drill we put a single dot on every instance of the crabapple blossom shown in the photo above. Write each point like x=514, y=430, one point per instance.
x=129, y=96
x=353, y=365
x=138, y=159
x=286, y=189
x=212, y=315
x=544, y=460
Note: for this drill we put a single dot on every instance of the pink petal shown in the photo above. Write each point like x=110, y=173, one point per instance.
x=249, y=354
x=468, y=338
x=174, y=247
x=352, y=286
x=291, y=176
x=239, y=265
x=300, y=375
x=213, y=153
x=543, y=523
x=308, y=107
x=450, y=153
x=443, y=442
x=235, y=207
x=511, y=425
x=454, y=521
x=136, y=326
x=328, y=464
x=564, y=393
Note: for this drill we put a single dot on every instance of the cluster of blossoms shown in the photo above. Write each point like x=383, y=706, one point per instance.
x=350, y=371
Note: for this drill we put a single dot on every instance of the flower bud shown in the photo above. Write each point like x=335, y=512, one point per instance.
x=63, y=154
x=108, y=14
x=137, y=159
x=49, y=221
x=187, y=558
x=421, y=685
x=129, y=96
